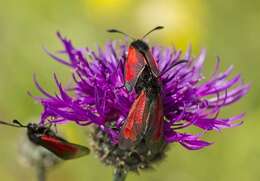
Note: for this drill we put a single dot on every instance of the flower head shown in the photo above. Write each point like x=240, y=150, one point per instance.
x=189, y=100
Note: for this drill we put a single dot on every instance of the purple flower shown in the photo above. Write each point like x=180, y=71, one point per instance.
x=96, y=97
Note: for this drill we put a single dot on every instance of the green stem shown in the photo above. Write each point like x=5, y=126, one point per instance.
x=120, y=174
x=41, y=173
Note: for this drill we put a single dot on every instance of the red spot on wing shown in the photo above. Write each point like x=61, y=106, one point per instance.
x=58, y=145
x=133, y=129
x=130, y=62
x=158, y=119
x=134, y=65
x=135, y=117
x=155, y=119
x=154, y=134
x=62, y=148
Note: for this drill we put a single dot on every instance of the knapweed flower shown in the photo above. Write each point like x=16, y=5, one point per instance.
x=97, y=98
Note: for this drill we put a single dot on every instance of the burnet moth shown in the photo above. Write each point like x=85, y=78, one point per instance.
x=145, y=118
x=47, y=138
x=139, y=55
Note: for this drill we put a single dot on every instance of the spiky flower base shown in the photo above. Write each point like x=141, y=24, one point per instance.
x=129, y=160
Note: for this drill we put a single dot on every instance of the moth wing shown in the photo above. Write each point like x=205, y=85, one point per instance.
x=154, y=132
x=153, y=64
x=62, y=148
x=134, y=65
x=135, y=124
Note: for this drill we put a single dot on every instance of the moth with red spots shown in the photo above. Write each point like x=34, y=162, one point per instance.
x=145, y=118
x=144, y=122
x=45, y=137
x=139, y=55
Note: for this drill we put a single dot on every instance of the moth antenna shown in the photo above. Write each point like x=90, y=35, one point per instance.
x=154, y=29
x=175, y=64
x=121, y=32
x=19, y=124
x=10, y=124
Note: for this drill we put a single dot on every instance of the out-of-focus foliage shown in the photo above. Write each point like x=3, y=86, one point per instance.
x=229, y=29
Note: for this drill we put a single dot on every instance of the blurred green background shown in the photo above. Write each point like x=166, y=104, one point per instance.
x=229, y=29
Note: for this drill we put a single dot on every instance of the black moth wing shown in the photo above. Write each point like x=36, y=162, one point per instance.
x=62, y=148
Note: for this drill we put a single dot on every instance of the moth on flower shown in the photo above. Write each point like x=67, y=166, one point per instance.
x=188, y=99
x=144, y=123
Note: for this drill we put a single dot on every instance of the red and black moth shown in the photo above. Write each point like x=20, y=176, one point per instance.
x=139, y=55
x=144, y=123
x=45, y=137
x=145, y=118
